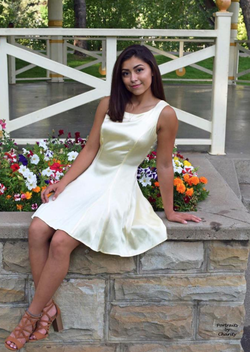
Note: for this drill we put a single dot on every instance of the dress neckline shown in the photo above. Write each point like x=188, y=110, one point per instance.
x=130, y=113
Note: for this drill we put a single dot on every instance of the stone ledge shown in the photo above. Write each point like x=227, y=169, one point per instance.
x=224, y=216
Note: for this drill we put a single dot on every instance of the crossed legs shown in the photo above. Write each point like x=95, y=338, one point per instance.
x=49, y=252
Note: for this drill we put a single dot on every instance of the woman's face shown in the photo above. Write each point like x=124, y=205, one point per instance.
x=136, y=75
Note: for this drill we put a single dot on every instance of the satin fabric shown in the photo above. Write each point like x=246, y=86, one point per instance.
x=104, y=207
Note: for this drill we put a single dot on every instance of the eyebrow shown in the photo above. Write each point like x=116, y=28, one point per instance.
x=126, y=69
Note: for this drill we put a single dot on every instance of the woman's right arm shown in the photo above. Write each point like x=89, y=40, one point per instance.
x=85, y=157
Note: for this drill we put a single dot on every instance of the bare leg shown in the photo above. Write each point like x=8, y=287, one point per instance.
x=54, y=271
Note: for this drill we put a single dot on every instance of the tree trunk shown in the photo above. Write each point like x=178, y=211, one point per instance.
x=80, y=22
x=245, y=5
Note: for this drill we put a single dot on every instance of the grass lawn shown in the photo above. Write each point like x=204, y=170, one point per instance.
x=191, y=73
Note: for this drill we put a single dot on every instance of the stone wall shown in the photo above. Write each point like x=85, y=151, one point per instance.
x=181, y=296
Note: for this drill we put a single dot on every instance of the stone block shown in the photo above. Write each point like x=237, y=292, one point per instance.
x=243, y=170
x=228, y=255
x=16, y=257
x=150, y=322
x=9, y=319
x=202, y=287
x=190, y=347
x=85, y=261
x=221, y=322
x=174, y=255
x=11, y=289
x=82, y=306
x=1, y=256
x=68, y=348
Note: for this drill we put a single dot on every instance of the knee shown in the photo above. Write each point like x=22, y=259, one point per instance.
x=59, y=248
x=39, y=233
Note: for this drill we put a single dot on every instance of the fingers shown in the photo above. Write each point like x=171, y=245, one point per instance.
x=46, y=192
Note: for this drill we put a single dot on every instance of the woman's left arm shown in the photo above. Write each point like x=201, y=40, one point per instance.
x=166, y=131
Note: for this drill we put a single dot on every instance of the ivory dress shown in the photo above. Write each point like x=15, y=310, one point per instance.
x=104, y=207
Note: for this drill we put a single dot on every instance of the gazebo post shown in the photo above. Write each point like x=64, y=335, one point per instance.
x=233, y=56
x=55, y=16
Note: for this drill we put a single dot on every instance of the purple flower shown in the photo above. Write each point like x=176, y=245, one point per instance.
x=34, y=206
x=46, y=181
x=23, y=160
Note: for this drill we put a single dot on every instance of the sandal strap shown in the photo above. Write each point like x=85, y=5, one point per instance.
x=50, y=318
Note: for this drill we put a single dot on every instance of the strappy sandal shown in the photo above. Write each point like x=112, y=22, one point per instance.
x=55, y=320
x=20, y=332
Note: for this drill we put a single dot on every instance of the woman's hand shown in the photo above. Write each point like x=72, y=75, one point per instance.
x=182, y=217
x=57, y=188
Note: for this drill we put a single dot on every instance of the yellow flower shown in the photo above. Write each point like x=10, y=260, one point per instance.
x=28, y=195
x=176, y=158
x=37, y=189
x=189, y=192
x=187, y=163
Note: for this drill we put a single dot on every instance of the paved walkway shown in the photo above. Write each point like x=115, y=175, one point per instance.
x=196, y=99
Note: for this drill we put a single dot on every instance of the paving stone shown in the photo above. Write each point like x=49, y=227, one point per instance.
x=226, y=255
x=85, y=261
x=190, y=347
x=187, y=288
x=16, y=257
x=11, y=289
x=174, y=255
x=151, y=322
x=221, y=322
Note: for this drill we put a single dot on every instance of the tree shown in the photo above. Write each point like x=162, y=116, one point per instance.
x=245, y=5
x=80, y=22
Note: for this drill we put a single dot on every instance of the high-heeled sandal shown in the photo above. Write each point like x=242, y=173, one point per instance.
x=55, y=320
x=19, y=331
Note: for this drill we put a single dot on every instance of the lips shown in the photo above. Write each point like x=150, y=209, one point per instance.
x=136, y=86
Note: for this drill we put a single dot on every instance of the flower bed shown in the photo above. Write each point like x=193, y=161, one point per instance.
x=25, y=173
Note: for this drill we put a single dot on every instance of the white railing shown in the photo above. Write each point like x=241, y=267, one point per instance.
x=220, y=52
x=99, y=57
x=241, y=49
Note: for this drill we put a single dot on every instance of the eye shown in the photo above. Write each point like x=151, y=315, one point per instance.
x=124, y=74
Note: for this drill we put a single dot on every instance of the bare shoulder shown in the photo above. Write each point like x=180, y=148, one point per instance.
x=102, y=109
x=167, y=119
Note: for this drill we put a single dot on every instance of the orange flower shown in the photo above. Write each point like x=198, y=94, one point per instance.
x=19, y=207
x=204, y=189
x=203, y=179
x=186, y=177
x=28, y=195
x=178, y=181
x=189, y=192
x=49, y=194
x=157, y=184
x=44, y=187
x=181, y=188
x=8, y=197
x=194, y=180
x=37, y=189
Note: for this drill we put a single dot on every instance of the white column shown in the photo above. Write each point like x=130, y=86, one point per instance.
x=233, y=57
x=4, y=86
x=111, y=52
x=220, y=82
x=11, y=62
x=55, y=15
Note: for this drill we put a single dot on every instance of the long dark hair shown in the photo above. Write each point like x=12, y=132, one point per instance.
x=120, y=96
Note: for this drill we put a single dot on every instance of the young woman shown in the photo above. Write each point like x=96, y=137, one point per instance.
x=98, y=202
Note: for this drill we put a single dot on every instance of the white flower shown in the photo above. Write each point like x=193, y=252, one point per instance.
x=72, y=155
x=43, y=144
x=31, y=177
x=58, y=175
x=178, y=169
x=22, y=170
x=34, y=159
x=145, y=181
x=48, y=155
x=30, y=185
x=47, y=172
x=25, y=151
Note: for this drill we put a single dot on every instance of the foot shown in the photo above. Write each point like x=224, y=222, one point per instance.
x=22, y=332
x=51, y=312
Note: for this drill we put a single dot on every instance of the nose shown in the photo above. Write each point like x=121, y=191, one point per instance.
x=133, y=77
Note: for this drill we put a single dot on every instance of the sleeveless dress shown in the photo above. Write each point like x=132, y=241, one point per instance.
x=104, y=207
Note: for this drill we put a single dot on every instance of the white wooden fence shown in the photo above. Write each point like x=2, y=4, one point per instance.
x=220, y=51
